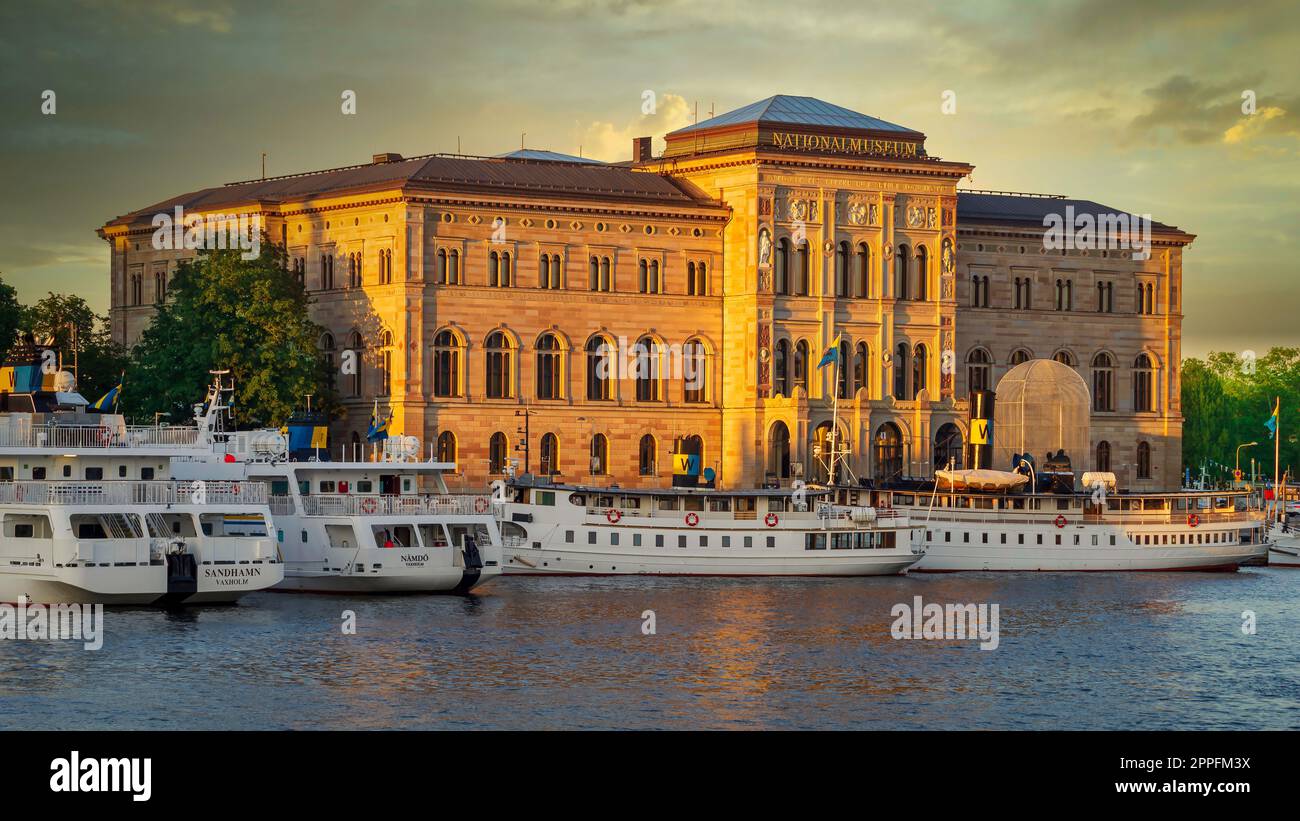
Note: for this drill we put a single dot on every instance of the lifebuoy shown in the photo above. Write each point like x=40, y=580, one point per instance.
x=1060, y=520
x=692, y=518
x=369, y=505
x=771, y=519
x=613, y=515
x=480, y=505
x=1193, y=520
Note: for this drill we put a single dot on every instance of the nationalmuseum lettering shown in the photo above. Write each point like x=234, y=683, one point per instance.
x=843, y=145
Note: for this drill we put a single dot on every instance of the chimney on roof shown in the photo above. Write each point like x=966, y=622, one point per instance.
x=641, y=149
x=387, y=156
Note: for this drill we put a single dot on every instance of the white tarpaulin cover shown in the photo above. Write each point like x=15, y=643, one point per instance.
x=979, y=479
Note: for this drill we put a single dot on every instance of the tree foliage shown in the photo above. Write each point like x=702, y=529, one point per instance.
x=83, y=339
x=1227, y=397
x=11, y=317
x=224, y=312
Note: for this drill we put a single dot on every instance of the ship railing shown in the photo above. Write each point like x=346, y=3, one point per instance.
x=405, y=504
x=132, y=492
x=792, y=518
x=1072, y=517
x=20, y=435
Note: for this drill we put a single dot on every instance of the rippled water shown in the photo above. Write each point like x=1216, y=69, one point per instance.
x=1093, y=650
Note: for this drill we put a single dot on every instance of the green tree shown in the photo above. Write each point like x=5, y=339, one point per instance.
x=224, y=312
x=83, y=340
x=11, y=317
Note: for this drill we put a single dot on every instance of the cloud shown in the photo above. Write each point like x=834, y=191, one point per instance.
x=612, y=143
x=1269, y=120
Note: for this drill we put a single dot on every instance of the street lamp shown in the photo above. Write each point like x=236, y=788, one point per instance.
x=1237, y=472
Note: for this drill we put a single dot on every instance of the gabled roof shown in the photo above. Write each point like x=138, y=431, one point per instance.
x=785, y=109
x=1000, y=207
x=587, y=179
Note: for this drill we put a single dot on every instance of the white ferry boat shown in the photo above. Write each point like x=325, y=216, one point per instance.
x=967, y=529
x=1283, y=545
x=551, y=529
x=386, y=525
x=89, y=512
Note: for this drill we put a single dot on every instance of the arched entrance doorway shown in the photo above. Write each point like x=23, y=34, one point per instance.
x=778, y=451
x=948, y=443
x=889, y=452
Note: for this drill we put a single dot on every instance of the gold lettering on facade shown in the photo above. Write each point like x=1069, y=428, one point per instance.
x=843, y=145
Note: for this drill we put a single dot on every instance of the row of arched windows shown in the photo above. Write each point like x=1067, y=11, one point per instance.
x=791, y=368
x=853, y=271
x=1142, y=465
x=549, y=455
x=650, y=274
x=979, y=368
x=647, y=367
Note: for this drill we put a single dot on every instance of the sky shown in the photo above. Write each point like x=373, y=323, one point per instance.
x=1138, y=105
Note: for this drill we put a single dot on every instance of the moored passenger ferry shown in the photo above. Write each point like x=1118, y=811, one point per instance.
x=387, y=524
x=551, y=529
x=90, y=512
x=1010, y=529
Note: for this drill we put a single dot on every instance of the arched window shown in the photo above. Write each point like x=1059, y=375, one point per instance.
x=447, y=447
x=550, y=370
x=801, y=365
x=599, y=274
x=647, y=456
x=842, y=269
x=643, y=277
x=648, y=369
x=599, y=455
x=498, y=447
x=781, y=369
x=600, y=369
x=1144, y=460
x=453, y=267
x=781, y=273
x=697, y=283
x=497, y=370
x=861, y=365
x=548, y=271
x=778, y=451
x=1103, y=383
x=695, y=371
x=1105, y=297
x=803, y=273
x=549, y=462
x=863, y=274
x=1142, y=383
x=902, y=368
x=327, y=356
x=923, y=273
x=606, y=281
x=902, y=262
x=1019, y=357
x=948, y=447
x=978, y=372
x=358, y=359
x=1103, y=457
x=1064, y=357
x=1023, y=296
x=499, y=269
x=889, y=452
x=920, y=366
x=446, y=364
x=327, y=269
x=692, y=445
x=386, y=363
x=844, y=370
x=1064, y=295
x=593, y=274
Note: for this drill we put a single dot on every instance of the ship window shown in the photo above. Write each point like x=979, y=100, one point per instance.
x=771, y=541
x=38, y=473
x=435, y=536
x=636, y=539
x=947, y=535
x=365, y=486
x=984, y=538
x=667, y=502
x=1020, y=538
x=694, y=503
x=546, y=497
x=1076, y=538
x=704, y=541
x=67, y=471
x=94, y=474
x=1040, y=538
x=613, y=538
x=326, y=487
x=27, y=526
x=659, y=540
x=965, y=537
x=146, y=474
x=591, y=537
x=121, y=471
x=568, y=536
x=726, y=541
x=1004, y=538
x=163, y=525
x=749, y=541
x=681, y=541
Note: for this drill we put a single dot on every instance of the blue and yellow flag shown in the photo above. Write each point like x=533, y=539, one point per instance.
x=108, y=402
x=1271, y=422
x=832, y=354
x=378, y=430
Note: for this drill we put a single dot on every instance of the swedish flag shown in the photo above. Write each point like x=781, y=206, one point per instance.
x=1271, y=421
x=108, y=402
x=378, y=430
x=832, y=355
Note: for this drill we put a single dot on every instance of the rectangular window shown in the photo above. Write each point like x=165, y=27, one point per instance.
x=613, y=538
x=636, y=539
x=146, y=474
x=94, y=474
x=591, y=537
x=659, y=540
x=568, y=536
x=681, y=541
x=704, y=541
x=771, y=541
x=749, y=541
x=726, y=541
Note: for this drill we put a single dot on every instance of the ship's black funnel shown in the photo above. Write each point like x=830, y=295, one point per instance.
x=979, y=445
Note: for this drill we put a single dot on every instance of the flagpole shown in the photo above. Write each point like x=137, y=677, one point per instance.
x=1277, y=445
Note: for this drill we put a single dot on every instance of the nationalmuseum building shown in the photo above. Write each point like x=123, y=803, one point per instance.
x=682, y=303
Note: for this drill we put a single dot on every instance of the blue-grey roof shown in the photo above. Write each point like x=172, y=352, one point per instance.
x=783, y=108
x=548, y=156
x=1022, y=208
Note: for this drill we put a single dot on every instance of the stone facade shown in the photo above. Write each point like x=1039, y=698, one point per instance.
x=474, y=290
